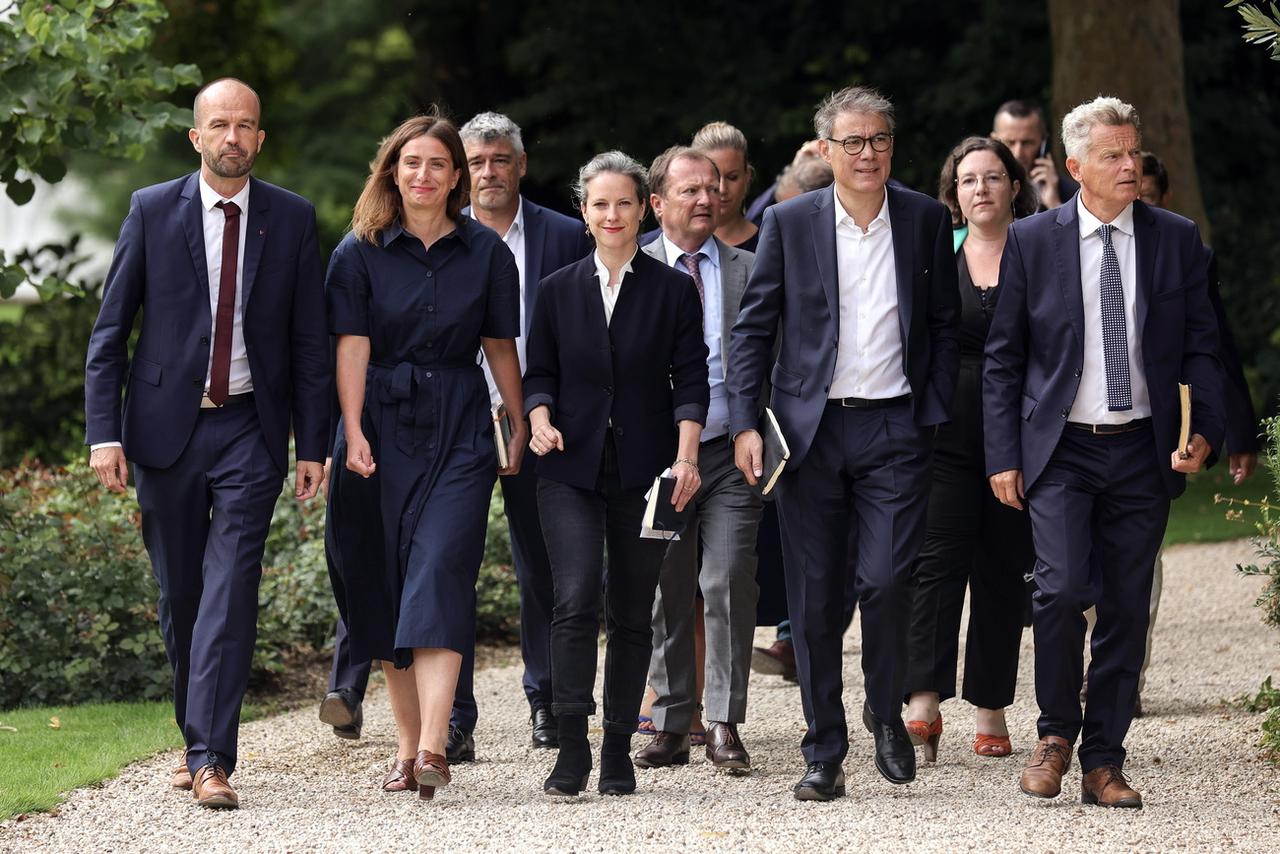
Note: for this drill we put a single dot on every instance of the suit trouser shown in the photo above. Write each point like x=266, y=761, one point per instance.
x=345, y=675
x=1098, y=514
x=726, y=511
x=864, y=485
x=577, y=525
x=205, y=521
x=972, y=540
x=1157, y=587
x=537, y=598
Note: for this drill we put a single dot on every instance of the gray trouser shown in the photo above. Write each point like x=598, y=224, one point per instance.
x=726, y=512
x=1157, y=583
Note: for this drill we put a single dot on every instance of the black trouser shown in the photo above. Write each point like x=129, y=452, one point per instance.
x=345, y=674
x=577, y=525
x=971, y=540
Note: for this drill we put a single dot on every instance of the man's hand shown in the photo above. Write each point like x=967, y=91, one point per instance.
x=307, y=479
x=748, y=455
x=1191, y=459
x=1007, y=486
x=1241, y=466
x=1044, y=174
x=111, y=468
x=515, y=448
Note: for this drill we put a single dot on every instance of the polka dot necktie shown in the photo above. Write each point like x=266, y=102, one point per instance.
x=1115, y=334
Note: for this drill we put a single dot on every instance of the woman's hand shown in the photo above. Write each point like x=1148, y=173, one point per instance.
x=688, y=481
x=545, y=438
x=360, y=455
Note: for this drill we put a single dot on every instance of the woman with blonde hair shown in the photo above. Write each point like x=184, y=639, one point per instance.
x=415, y=291
x=727, y=146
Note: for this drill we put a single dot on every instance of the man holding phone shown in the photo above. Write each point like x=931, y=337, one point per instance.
x=1020, y=125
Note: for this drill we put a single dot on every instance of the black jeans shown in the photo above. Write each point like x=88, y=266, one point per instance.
x=577, y=524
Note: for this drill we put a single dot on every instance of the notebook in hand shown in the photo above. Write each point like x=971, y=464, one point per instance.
x=502, y=430
x=776, y=451
x=1184, y=431
x=660, y=514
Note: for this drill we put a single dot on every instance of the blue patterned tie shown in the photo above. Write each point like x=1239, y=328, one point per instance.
x=1115, y=336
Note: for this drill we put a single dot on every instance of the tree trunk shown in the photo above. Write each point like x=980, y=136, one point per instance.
x=1132, y=50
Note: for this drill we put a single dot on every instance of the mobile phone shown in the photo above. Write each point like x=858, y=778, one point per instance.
x=1044, y=147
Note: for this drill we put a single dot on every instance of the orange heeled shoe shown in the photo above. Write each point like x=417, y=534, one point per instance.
x=926, y=735
x=992, y=745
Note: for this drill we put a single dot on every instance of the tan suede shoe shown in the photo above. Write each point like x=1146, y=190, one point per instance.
x=181, y=774
x=1042, y=778
x=212, y=789
x=1108, y=787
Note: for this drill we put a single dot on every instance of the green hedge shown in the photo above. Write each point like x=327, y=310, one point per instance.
x=78, y=601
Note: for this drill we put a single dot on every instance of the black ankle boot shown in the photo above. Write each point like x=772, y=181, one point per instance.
x=617, y=774
x=573, y=764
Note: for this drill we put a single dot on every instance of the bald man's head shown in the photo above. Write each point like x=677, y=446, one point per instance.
x=227, y=130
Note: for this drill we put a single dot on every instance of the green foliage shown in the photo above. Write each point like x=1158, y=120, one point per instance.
x=42, y=355
x=76, y=75
x=78, y=616
x=38, y=761
x=1260, y=28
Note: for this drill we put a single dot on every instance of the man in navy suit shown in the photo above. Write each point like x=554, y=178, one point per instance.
x=1104, y=310
x=859, y=280
x=233, y=351
x=542, y=241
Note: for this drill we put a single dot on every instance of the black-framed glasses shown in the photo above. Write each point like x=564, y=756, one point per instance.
x=853, y=145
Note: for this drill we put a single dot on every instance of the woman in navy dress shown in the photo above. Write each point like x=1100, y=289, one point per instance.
x=414, y=292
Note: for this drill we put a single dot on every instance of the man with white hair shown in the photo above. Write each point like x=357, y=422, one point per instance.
x=1104, y=311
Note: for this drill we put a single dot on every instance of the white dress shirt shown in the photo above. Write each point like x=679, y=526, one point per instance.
x=1090, y=405
x=869, y=361
x=712, y=329
x=214, y=221
x=514, y=238
x=607, y=293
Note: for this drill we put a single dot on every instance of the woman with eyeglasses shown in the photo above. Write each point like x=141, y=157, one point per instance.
x=972, y=539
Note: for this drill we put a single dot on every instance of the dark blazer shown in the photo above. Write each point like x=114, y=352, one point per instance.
x=639, y=375
x=159, y=266
x=1035, y=355
x=551, y=241
x=1242, y=420
x=794, y=288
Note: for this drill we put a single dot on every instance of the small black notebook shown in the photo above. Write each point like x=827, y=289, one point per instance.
x=660, y=515
x=502, y=432
x=776, y=451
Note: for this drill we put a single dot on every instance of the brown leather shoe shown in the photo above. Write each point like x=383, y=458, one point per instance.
x=666, y=749
x=400, y=777
x=212, y=789
x=181, y=774
x=1107, y=786
x=431, y=771
x=1042, y=778
x=777, y=659
x=725, y=749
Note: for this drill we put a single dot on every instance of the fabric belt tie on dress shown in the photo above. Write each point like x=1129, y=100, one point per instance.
x=398, y=384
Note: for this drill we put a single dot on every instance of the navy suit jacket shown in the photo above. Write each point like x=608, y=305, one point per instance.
x=794, y=289
x=637, y=376
x=1242, y=421
x=1035, y=349
x=159, y=267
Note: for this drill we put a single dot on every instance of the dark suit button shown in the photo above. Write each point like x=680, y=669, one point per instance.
x=431, y=308
x=1077, y=372
x=617, y=430
x=1064, y=413
x=430, y=274
x=197, y=382
x=608, y=389
x=204, y=339
x=428, y=375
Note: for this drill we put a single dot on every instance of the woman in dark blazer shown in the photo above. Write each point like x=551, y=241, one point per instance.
x=616, y=392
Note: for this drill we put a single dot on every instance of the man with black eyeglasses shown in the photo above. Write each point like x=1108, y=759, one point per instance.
x=859, y=282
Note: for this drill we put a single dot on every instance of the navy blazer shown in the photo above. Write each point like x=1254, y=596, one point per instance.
x=794, y=289
x=1035, y=349
x=1242, y=421
x=639, y=375
x=159, y=266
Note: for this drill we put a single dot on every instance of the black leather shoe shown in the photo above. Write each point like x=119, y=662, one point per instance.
x=341, y=710
x=546, y=732
x=895, y=756
x=461, y=747
x=822, y=781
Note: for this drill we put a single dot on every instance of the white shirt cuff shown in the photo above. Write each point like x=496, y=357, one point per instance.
x=95, y=446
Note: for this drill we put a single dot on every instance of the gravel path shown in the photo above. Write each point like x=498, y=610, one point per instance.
x=1193, y=758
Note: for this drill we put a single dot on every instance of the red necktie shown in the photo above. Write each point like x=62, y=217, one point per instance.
x=220, y=374
x=691, y=264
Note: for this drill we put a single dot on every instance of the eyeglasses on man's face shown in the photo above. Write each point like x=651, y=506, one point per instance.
x=969, y=183
x=853, y=145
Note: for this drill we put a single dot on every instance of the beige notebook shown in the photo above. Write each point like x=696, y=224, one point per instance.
x=1184, y=432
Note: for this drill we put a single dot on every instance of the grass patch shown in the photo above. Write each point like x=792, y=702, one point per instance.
x=1194, y=518
x=91, y=744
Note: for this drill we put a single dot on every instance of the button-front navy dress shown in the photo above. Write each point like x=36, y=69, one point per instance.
x=407, y=542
